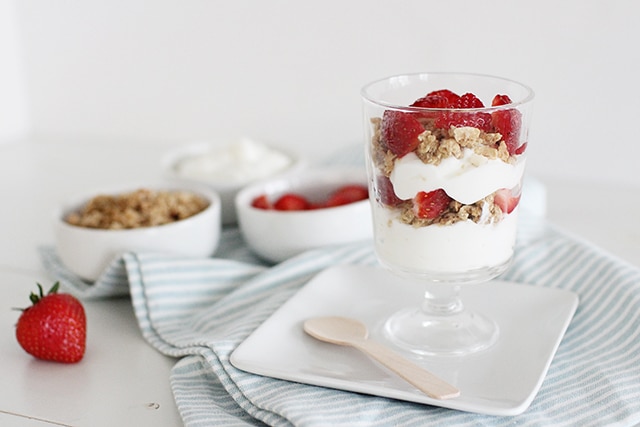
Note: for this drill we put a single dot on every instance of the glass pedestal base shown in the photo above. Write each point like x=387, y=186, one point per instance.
x=456, y=334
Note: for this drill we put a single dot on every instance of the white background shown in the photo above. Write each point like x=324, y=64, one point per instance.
x=289, y=72
x=82, y=79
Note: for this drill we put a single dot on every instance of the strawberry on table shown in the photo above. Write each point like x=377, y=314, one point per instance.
x=53, y=328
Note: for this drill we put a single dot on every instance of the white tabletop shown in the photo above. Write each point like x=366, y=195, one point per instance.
x=122, y=380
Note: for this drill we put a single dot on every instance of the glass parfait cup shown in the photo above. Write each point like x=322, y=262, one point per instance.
x=445, y=156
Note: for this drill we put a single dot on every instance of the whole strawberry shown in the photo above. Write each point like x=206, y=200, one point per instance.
x=54, y=327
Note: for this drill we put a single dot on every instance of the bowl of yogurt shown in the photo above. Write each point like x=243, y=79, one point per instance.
x=228, y=166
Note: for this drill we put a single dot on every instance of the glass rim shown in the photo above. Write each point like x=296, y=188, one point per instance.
x=530, y=94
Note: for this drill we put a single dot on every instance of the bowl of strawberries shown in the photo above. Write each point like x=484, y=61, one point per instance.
x=283, y=217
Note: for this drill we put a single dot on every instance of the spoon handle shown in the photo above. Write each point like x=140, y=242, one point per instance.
x=419, y=377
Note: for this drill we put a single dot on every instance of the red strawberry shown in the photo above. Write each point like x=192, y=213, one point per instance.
x=385, y=193
x=478, y=120
x=432, y=204
x=54, y=327
x=507, y=123
x=291, y=202
x=521, y=149
x=347, y=194
x=500, y=100
x=505, y=200
x=400, y=132
x=452, y=98
x=431, y=101
x=468, y=100
x=261, y=202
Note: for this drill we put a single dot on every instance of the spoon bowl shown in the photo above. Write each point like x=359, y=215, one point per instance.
x=353, y=333
x=336, y=330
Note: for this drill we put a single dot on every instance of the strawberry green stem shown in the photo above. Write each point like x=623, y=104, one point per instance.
x=34, y=298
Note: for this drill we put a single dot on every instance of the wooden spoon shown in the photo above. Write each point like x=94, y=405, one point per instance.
x=350, y=332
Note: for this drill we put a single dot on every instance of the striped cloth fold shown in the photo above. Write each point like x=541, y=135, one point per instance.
x=199, y=311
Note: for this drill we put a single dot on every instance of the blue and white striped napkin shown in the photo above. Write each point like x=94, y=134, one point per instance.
x=200, y=310
x=113, y=281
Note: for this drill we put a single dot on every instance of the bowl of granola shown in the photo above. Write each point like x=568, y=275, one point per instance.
x=285, y=216
x=90, y=231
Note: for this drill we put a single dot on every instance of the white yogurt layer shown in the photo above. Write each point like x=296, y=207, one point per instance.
x=242, y=161
x=455, y=248
x=467, y=180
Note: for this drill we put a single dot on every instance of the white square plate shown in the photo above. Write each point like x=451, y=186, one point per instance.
x=502, y=380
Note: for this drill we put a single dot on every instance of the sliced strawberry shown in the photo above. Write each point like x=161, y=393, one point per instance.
x=478, y=120
x=505, y=200
x=432, y=204
x=400, y=132
x=431, y=101
x=468, y=100
x=521, y=149
x=385, y=193
x=291, y=202
x=452, y=98
x=508, y=123
x=474, y=119
x=347, y=194
x=261, y=202
x=500, y=100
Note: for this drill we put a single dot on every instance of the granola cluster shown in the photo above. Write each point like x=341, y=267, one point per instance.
x=140, y=208
x=438, y=144
x=483, y=211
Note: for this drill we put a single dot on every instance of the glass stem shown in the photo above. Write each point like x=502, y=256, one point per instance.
x=442, y=300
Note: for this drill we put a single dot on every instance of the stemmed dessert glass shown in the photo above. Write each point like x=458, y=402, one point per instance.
x=445, y=156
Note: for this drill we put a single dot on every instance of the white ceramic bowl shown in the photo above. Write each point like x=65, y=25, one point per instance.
x=88, y=251
x=226, y=188
x=278, y=235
